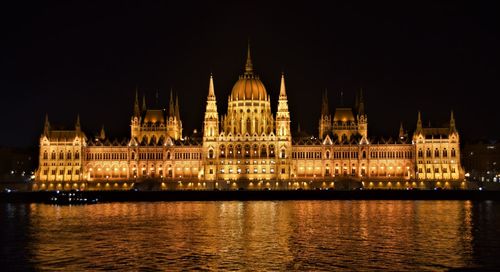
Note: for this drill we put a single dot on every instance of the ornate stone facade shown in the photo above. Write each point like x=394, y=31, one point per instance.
x=249, y=147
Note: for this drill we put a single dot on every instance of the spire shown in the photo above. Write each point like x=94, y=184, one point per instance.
x=452, y=123
x=77, y=124
x=401, y=131
x=298, y=128
x=248, y=65
x=282, y=87
x=144, y=108
x=211, y=89
x=102, y=134
x=419, y=122
x=137, y=111
x=177, y=114
x=46, y=126
x=324, y=104
x=171, y=109
x=361, y=103
x=341, y=98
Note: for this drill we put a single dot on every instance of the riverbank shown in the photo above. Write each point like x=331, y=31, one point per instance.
x=125, y=196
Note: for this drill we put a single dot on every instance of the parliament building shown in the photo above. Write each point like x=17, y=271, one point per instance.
x=249, y=147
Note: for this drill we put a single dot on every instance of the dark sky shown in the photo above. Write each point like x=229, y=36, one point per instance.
x=70, y=58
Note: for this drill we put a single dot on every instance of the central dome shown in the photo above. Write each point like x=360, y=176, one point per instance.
x=249, y=86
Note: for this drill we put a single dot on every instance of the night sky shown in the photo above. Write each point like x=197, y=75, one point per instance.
x=70, y=58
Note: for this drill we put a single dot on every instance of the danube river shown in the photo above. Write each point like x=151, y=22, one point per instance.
x=257, y=236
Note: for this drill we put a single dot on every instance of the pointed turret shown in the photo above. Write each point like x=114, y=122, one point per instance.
x=452, y=123
x=282, y=87
x=77, y=124
x=177, y=111
x=324, y=104
x=144, y=108
x=171, y=109
x=401, y=131
x=341, y=98
x=419, y=123
x=248, y=64
x=283, y=115
x=361, y=103
x=46, y=126
x=211, y=123
x=211, y=89
x=102, y=134
x=137, y=111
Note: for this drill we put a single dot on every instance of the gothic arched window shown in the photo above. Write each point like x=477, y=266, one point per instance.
x=436, y=153
x=45, y=155
x=453, y=153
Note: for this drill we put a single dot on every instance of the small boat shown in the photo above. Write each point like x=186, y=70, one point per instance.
x=73, y=197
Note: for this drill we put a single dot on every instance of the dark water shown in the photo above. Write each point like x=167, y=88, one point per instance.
x=255, y=236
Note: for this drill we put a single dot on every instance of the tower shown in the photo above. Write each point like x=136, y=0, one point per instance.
x=210, y=132
x=174, y=124
x=325, y=121
x=362, y=117
x=283, y=133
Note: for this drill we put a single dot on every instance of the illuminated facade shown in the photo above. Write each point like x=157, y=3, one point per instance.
x=249, y=147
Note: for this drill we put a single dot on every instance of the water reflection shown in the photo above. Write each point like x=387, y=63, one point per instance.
x=283, y=235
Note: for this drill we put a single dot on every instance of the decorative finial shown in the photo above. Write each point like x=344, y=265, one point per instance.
x=282, y=86
x=211, y=89
x=77, y=124
x=171, y=109
x=248, y=65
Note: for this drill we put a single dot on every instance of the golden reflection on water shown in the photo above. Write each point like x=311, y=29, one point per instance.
x=257, y=236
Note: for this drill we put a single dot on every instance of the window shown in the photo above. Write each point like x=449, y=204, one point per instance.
x=428, y=152
x=77, y=172
x=436, y=153
x=53, y=172
x=282, y=170
x=61, y=156
x=428, y=170
x=283, y=153
x=364, y=154
x=453, y=154
x=69, y=172
x=210, y=154
x=211, y=171
x=68, y=156
x=53, y=155
x=327, y=154
x=45, y=172
x=436, y=170
x=45, y=155
x=445, y=153
x=61, y=172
